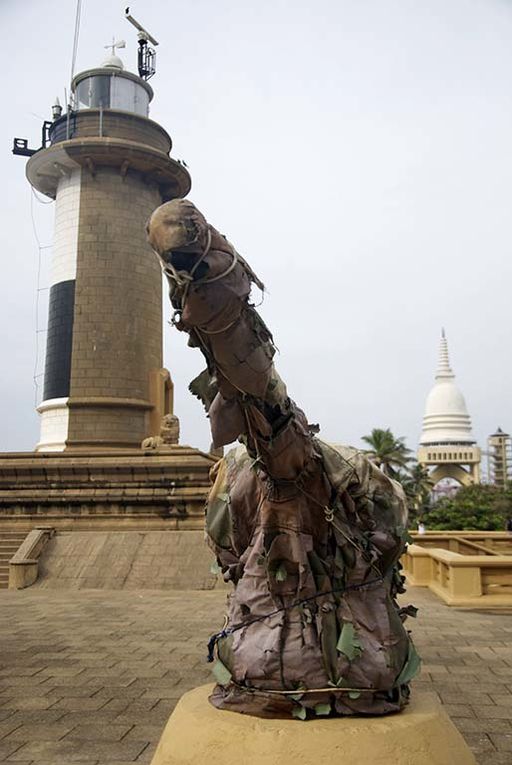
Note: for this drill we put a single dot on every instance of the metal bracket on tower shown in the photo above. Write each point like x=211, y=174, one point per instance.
x=146, y=59
x=20, y=147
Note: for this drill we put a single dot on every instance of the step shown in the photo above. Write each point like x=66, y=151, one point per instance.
x=12, y=541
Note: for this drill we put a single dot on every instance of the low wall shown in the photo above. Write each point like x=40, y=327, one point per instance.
x=128, y=560
x=481, y=581
x=24, y=564
x=467, y=542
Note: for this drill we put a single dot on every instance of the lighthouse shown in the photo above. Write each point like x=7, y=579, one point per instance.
x=108, y=455
x=107, y=166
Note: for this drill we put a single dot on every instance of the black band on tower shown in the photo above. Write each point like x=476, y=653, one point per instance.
x=57, y=372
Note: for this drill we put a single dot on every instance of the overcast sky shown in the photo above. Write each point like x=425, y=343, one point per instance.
x=357, y=153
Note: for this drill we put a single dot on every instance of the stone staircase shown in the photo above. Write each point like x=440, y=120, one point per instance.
x=9, y=543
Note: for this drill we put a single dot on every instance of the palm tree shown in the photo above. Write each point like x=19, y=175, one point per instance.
x=417, y=485
x=386, y=451
x=420, y=482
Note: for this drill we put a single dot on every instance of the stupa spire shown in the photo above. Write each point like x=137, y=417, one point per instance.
x=444, y=370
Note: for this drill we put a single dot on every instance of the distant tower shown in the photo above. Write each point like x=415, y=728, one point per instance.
x=447, y=444
x=499, y=458
x=107, y=166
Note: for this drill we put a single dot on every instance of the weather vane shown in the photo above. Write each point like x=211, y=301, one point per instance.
x=113, y=45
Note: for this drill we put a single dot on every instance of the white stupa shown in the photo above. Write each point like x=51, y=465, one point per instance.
x=446, y=419
x=447, y=443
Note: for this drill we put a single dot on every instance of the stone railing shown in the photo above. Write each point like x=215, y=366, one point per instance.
x=24, y=564
x=467, y=542
x=478, y=580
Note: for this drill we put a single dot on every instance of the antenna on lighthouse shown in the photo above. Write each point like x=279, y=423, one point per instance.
x=146, y=56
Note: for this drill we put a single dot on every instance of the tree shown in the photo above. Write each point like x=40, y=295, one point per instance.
x=480, y=507
x=389, y=453
x=417, y=485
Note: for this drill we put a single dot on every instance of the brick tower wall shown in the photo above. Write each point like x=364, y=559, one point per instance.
x=117, y=327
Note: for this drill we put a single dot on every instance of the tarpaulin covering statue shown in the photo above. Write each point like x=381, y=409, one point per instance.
x=308, y=533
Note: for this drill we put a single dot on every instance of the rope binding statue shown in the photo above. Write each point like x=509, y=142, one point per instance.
x=309, y=534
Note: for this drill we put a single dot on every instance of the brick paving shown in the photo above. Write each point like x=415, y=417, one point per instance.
x=92, y=676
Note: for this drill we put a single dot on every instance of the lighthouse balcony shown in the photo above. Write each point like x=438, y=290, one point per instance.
x=96, y=139
x=109, y=123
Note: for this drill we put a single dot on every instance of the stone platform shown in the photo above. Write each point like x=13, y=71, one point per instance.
x=92, y=676
x=129, y=489
x=197, y=732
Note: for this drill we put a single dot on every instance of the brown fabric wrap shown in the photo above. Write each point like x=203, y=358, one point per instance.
x=290, y=519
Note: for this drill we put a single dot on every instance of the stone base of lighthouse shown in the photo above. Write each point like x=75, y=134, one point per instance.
x=130, y=489
x=102, y=519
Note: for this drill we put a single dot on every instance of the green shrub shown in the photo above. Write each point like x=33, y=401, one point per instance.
x=480, y=507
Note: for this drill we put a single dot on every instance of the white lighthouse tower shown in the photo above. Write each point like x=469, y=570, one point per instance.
x=447, y=445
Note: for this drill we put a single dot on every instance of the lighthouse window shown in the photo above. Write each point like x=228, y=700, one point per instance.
x=94, y=92
x=129, y=96
x=112, y=92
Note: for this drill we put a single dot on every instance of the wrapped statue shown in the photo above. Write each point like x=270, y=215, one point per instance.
x=309, y=534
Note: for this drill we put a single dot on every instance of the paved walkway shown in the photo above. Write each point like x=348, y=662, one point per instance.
x=92, y=676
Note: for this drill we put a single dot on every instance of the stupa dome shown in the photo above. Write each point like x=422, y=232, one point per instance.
x=446, y=419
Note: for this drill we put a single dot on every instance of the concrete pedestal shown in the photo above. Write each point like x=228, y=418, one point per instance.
x=198, y=733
